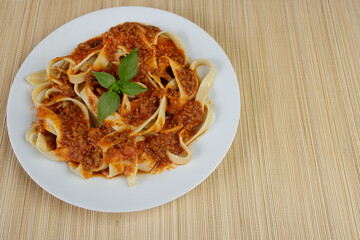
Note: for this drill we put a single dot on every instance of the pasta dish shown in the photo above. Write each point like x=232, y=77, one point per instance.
x=157, y=111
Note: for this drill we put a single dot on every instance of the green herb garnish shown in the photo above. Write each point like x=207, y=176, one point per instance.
x=109, y=102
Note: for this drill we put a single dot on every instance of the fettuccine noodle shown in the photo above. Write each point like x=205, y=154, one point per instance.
x=148, y=132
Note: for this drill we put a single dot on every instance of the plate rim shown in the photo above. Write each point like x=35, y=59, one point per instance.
x=11, y=137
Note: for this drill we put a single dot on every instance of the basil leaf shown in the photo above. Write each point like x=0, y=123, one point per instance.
x=115, y=88
x=108, y=103
x=105, y=79
x=128, y=66
x=131, y=88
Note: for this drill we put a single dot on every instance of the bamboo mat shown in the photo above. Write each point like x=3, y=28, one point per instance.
x=293, y=171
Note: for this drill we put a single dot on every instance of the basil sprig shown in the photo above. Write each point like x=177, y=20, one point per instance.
x=109, y=101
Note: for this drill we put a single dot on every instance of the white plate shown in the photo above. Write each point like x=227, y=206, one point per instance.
x=113, y=195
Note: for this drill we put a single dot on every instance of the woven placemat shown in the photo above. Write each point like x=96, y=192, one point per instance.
x=293, y=169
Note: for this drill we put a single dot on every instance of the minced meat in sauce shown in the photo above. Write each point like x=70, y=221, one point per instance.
x=81, y=140
x=83, y=49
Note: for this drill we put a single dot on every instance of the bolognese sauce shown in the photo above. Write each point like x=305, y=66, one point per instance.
x=171, y=88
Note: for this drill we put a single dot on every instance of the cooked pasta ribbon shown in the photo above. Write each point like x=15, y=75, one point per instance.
x=152, y=130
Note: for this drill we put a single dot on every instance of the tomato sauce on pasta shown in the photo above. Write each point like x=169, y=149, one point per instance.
x=148, y=132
